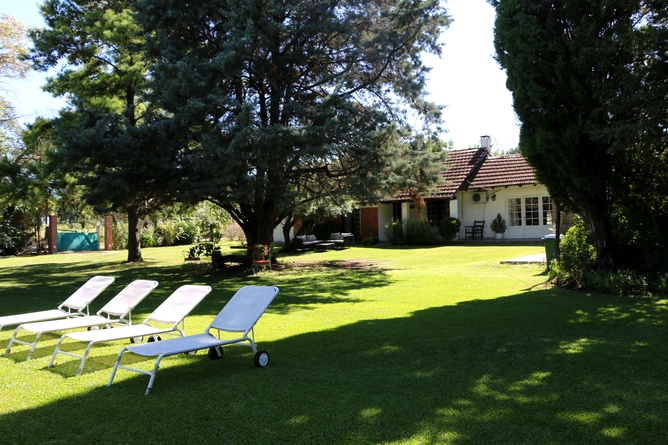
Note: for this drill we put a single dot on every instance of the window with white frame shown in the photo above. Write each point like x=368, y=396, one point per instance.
x=515, y=211
x=548, y=211
x=530, y=211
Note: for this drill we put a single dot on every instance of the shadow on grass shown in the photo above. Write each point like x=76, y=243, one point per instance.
x=53, y=284
x=540, y=367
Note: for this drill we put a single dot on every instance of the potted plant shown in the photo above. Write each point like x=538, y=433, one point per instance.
x=498, y=226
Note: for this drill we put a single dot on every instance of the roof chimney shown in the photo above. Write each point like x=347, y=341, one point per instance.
x=486, y=142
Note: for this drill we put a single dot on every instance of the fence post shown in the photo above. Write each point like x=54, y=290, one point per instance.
x=108, y=234
x=53, y=234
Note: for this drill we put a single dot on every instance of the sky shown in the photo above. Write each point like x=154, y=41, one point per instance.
x=465, y=79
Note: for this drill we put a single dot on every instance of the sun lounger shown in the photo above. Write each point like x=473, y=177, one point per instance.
x=114, y=312
x=76, y=305
x=164, y=320
x=238, y=316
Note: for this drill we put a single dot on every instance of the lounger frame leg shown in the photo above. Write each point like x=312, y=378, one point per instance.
x=152, y=373
x=116, y=364
x=14, y=339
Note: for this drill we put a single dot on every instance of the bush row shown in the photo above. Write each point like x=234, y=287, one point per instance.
x=576, y=268
x=421, y=232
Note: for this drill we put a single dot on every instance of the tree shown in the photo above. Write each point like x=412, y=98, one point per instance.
x=103, y=138
x=570, y=65
x=274, y=103
x=13, y=46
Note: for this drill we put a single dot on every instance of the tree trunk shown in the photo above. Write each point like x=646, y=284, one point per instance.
x=599, y=224
x=134, y=241
x=557, y=231
x=287, y=226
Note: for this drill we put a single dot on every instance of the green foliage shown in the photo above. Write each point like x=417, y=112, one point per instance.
x=211, y=220
x=420, y=233
x=577, y=259
x=395, y=233
x=620, y=283
x=256, y=96
x=167, y=233
x=370, y=241
x=448, y=229
x=147, y=238
x=187, y=232
x=15, y=230
x=416, y=232
x=576, y=268
x=120, y=235
x=498, y=224
x=178, y=232
x=588, y=89
x=104, y=138
x=203, y=249
x=323, y=229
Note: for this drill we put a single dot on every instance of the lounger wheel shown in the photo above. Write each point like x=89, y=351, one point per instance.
x=153, y=338
x=215, y=352
x=136, y=339
x=261, y=359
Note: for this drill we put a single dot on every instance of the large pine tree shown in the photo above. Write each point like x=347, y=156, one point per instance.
x=103, y=137
x=271, y=101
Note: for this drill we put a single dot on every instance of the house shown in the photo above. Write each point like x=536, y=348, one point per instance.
x=477, y=186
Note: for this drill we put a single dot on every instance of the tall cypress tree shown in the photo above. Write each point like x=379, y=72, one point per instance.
x=569, y=66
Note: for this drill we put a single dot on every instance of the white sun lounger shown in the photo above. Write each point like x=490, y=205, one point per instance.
x=238, y=316
x=75, y=306
x=114, y=312
x=165, y=319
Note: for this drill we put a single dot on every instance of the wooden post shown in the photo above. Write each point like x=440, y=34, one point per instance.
x=108, y=233
x=53, y=234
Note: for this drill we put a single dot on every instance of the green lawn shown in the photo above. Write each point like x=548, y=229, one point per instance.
x=368, y=346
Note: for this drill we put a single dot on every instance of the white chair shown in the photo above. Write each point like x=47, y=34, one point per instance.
x=164, y=320
x=75, y=306
x=114, y=312
x=238, y=316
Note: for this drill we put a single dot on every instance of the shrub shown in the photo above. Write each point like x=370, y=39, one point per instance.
x=119, y=233
x=202, y=249
x=166, y=233
x=578, y=257
x=420, y=233
x=147, y=239
x=187, y=232
x=370, y=241
x=411, y=232
x=448, y=229
x=394, y=232
x=15, y=230
x=498, y=224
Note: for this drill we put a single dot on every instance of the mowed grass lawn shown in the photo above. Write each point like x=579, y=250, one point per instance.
x=379, y=345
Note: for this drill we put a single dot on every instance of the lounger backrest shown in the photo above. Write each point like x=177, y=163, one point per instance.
x=87, y=293
x=244, y=309
x=178, y=305
x=128, y=298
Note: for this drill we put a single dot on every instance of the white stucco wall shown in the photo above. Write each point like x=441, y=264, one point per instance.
x=498, y=203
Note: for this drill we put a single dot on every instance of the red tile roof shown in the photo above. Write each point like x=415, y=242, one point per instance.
x=459, y=165
x=474, y=168
x=504, y=171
